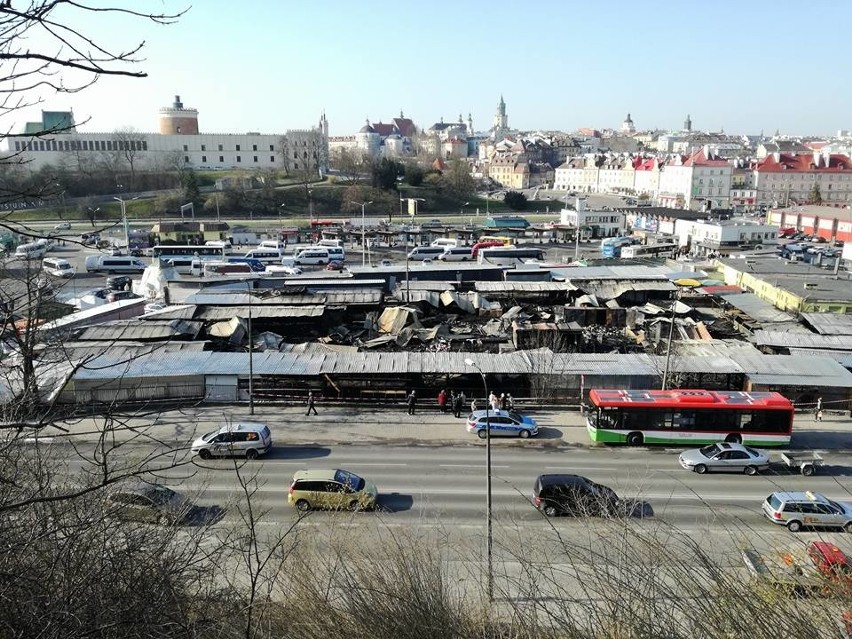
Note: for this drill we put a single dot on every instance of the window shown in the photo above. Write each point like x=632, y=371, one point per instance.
x=144, y=145
x=272, y=158
x=238, y=147
x=221, y=158
x=271, y=148
x=239, y=159
x=220, y=147
x=17, y=146
x=203, y=158
x=254, y=147
x=255, y=158
x=295, y=155
x=185, y=148
x=186, y=158
x=203, y=147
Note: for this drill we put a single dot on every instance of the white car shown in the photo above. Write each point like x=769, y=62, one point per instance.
x=62, y=226
x=724, y=457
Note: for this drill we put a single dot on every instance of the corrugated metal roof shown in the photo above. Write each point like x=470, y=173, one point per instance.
x=426, y=285
x=829, y=323
x=524, y=287
x=776, y=370
x=222, y=313
x=609, y=290
x=844, y=358
x=184, y=312
x=626, y=272
x=756, y=308
x=791, y=370
x=135, y=330
x=802, y=340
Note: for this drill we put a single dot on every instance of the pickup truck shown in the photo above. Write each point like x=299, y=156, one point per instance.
x=820, y=569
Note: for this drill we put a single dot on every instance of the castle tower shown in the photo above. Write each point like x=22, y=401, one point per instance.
x=469, y=124
x=687, y=124
x=323, y=125
x=176, y=120
x=627, y=126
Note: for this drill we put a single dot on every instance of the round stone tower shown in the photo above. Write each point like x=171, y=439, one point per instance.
x=176, y=120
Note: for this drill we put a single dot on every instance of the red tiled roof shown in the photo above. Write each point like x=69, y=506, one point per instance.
x=405, y=125
x=804, y=163
x=383, y=129
x=699, y=159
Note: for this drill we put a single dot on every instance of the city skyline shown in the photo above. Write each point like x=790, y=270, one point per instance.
x=278, y=68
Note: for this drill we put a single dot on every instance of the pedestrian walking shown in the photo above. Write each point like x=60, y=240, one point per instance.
x=473, y=405
x=819, y=415
x=503, y=403
x=510, y=403
x=460, y=402
x=442, y=400
x=311, y=406
x=412, y=402
x=494, y=401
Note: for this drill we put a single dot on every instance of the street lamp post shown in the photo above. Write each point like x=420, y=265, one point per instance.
x=363, y=206
x=124, y=219
x=488, y=528
x=310, y=206
x=251, y=354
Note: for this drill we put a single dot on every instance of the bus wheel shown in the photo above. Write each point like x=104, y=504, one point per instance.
x=635, y=439
x=734, y=439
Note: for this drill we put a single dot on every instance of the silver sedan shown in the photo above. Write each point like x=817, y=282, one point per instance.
x=725, y=457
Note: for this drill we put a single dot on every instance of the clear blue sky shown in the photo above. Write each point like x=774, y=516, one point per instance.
x=269, y=65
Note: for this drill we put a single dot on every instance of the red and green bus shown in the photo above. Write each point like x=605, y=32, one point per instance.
x=691, y=417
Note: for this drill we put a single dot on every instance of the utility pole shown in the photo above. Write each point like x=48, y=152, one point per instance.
x=363, y=206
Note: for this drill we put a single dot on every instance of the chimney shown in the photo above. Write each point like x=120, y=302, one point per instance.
x=706, y=151
x=580, y=204
x=817, y=156
x=776, y=156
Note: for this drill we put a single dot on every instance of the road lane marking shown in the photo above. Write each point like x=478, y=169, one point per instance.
x=478, y=466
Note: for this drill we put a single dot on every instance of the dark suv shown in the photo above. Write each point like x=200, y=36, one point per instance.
x=573, y=495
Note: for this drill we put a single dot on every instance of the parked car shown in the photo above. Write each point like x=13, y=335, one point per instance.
x=119, y=282
x=334, y=266
x=150, y=503
x=799, y=509
x=244, y=439
x=90, y=239
x=503, y=424
x=386, y=263
x=574, y=495
x=57, y=267
x=153, y=307
x=62, y=226
x=724, y=457
x=334, y=489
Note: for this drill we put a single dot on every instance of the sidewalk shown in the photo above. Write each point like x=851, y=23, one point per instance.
x=340, y=424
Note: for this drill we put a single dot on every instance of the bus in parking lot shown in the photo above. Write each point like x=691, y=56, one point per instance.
x=691, y=417
x=169, y=251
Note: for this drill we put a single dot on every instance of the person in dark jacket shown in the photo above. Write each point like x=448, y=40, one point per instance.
x=310, y=402
x=412, y=402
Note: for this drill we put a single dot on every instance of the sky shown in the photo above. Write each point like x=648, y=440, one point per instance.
x=272, y=65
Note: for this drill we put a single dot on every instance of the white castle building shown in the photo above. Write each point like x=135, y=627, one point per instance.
x=179, y=141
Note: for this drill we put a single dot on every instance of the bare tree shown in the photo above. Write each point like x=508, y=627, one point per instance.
x=131, y=145
x=44, y=50
x=351, y=164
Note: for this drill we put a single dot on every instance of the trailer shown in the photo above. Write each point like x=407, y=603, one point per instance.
x=805, y=462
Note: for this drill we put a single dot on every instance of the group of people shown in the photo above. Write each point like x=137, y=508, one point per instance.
x=504, y=402
x=455, y=401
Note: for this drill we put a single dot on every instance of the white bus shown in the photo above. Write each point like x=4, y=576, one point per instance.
x=168, y=251
x=32, y=250
x=508, y=255
x=649, y=250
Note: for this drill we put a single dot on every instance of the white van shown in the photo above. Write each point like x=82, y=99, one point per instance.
x=456, y=254
x=332, y=243
x=57, y=267
x=111, y=264
x=185, y=265
x=425, y=252
x=265, y=255
x=273, y=244
x=335, y=253
x=312, y=255
x=445, y=242
x=226, y=244
x=32, y=250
